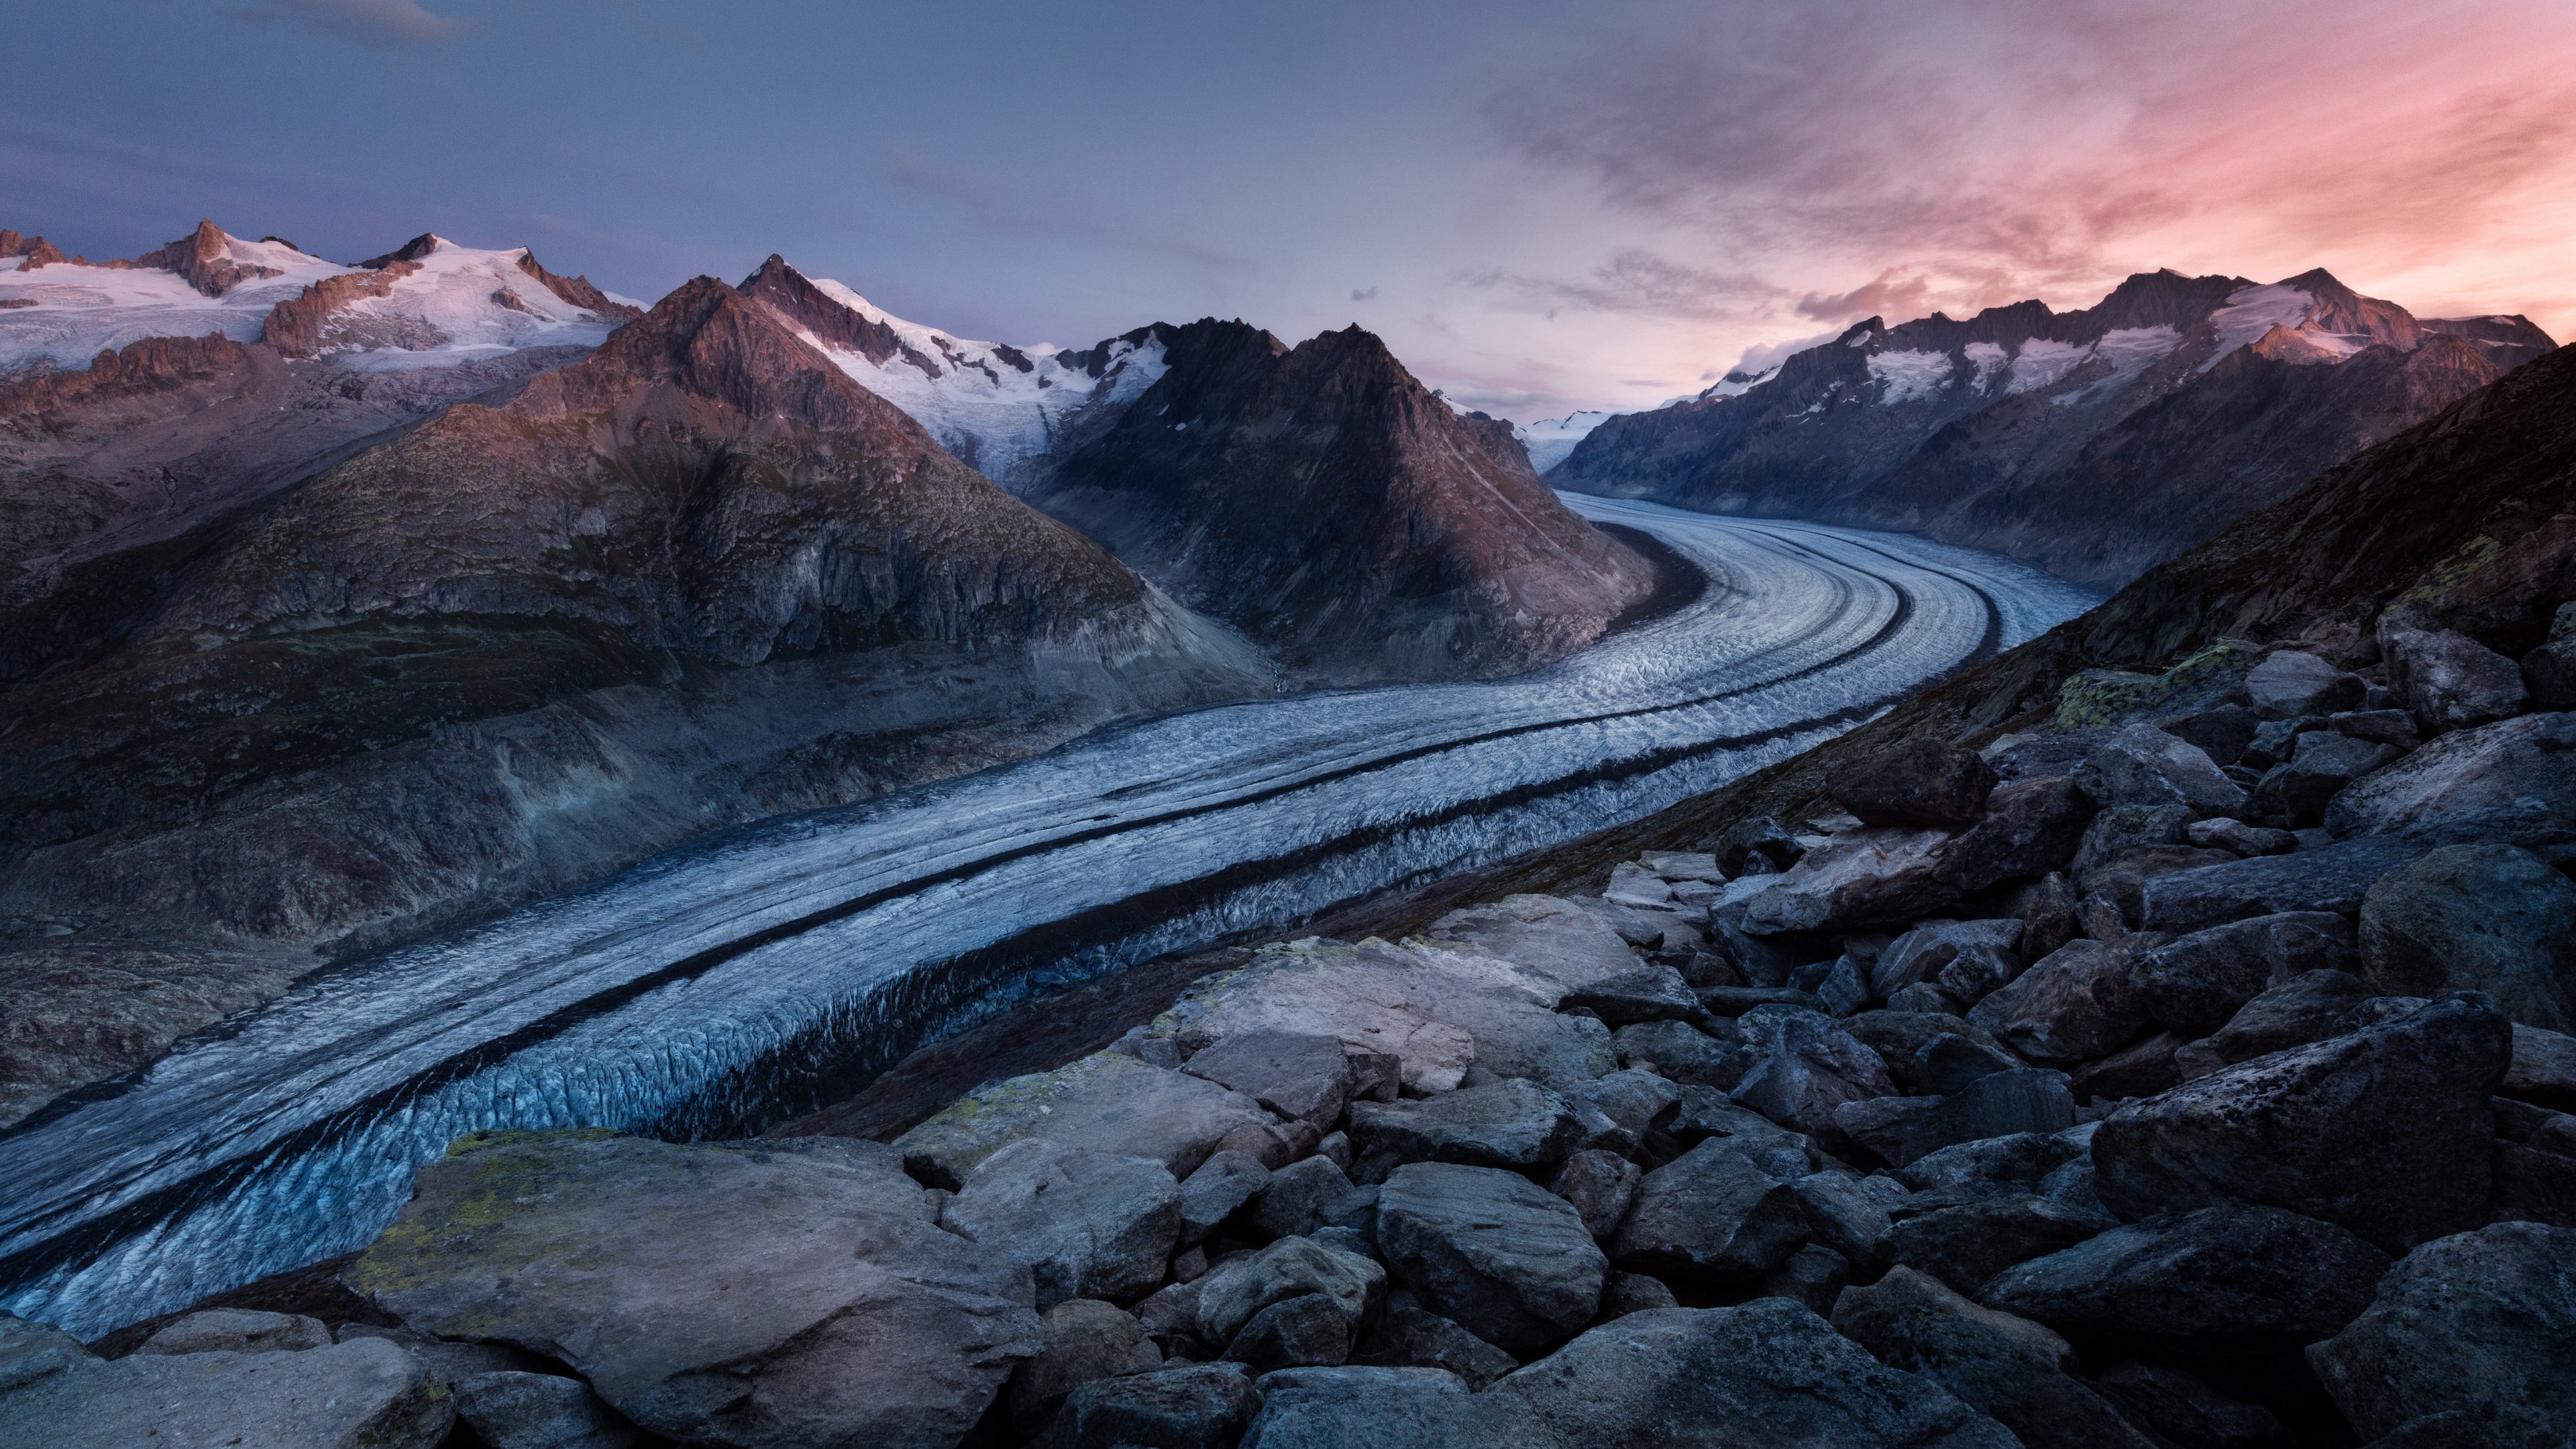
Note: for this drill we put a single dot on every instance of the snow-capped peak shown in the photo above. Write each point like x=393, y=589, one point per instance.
x=1549, y=440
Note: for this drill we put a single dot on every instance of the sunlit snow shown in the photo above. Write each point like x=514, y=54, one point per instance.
x=81, y=311
x=1549, y=440
x=1910, y=376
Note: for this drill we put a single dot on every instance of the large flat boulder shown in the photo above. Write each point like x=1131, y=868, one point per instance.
x=716, y=1295
x=1548, y=936
x=366, y=1394
x=1715, y=1213
x=2386, y=1131
x=2450, y=680
x=1435, y=1006
x=1511, y=1123
x=2142, y=765
x=1492, y=1249
x=1997, y=1104
x=1103, y=1103
x=2513, y=781
x=2333, y=878
x=2076, y=1005
x=2481, y=1325
x=2194, y=984
x=2220, y=1278
x=2491, y=918
x=1088, y=1224
x=1873, y=876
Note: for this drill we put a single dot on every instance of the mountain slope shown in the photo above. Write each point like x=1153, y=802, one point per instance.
x=1328, y=504
x=698, y=578
x=2095, y=442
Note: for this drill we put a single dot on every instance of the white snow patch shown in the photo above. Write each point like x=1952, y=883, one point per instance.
x=455, y=292
x=1910, y=376
x=2252, y=311
x=2041, y=361
x=1549, y=440
x=980, y=405
x=81, y=311
x=1990, y=359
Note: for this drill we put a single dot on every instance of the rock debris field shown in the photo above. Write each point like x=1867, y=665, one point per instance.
x=2194, y=1070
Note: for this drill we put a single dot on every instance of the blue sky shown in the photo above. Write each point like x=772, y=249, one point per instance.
x=1540, y=206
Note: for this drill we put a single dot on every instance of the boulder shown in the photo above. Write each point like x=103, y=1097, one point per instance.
x=2450, y=680
x=2482, y=1324
x=1951, y=1062
x=2119, y=829
x=1493, y=1249
x=2195, y=984
x=1715, y=1213
x=2051, y=919
x=512, y=1410
x=2009, y=1368
x=1683, y=1053
x=1295, y=1333
x=2220, y=1281
x=1966, y=1243
x=1223, y=1183
x=1621, y=1108
x=2543, y=1069
x=1170, y=1315
x=2321, y=765
x=1195, y=1406
x=1418, y=1338
x=2142, y=765
x=2380, y=726
x=1767, y=1373
x=2310, y=1006
x=1849, y=1215
x=1804, y=1067
x=1914, y=782
x=1306, y=1197
x=1364, y=1408
x=2030, y=827
x=1601, y=1185
x=871, y=1324
x=1873, y=876
x=2511, y=781
x=1775, y=842
x=2239, y=837
x=2289, y=682
x=2122, y=880
x=1103, y=1103
x=1240, y=1288
x=2008, y=1166
x=2189, y=1411
x=2386, y=1131
x=2330, y=879
x=366, y=1394
x=1924, y=953
x=2075, y=1006
x=1634, y=885
x=2001, y=1104
x=1085, y=1339
x=1728, y=1002
x=2549, y=674
x=1511, y=1123
x=2490, y=918
x=1814, y=1275
x=1301, y=1076
x=2222, y=730
x=1088, y=1224
x=1681, y=865
x=2275, y=740
x=1707, y=1115
x=1623, y=1293
x=1650, y=993
x=237, y=1330
x=1900, y=1036
x=2141, y=1069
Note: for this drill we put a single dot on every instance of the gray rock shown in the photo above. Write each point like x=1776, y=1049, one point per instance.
x=2308, y=1007
x=1493, y=1249
x=30, y=1350
x=2321, y=765
x=2075, y=1006
x=1715, y=1213
x=540, y=1411
x=1088, y=1224
x=1197, y=1406
x=2052, y=918
x=1765, y=1374
x=2380, y=726
x=449, y=1362
x=1707, y=1115
x=1873, y=876
x=1634, y=885
x=2386, y=1131
x=1417, y=1338
x=1223, y=1183
x=1170, y=1314
x=2450, y=680
x=1650, y=993
x=2221, y=1281
x=2274, y=741
x=1295, y=1333
x=1272, y=1144
x=2141, y=1069
x=1601, y=1185
x=1237, y=1289
x=1950, y=1062
x=1364, y=1408
x=2489, y=918
x=1915, y=782
x=1844, y=989
x=2223, y=730
x=1307, y=1196
x=2511, y=781
x=1680, y=865
x=362, y=1395
x=1967, y=1243
x=2237, y=836
x=2481, y=1324
x=237, y=1330
x=1682, y=1053
x=872, y=1324
x=1814, y=1275
x=2289, y=682
x=2123, y=879
x=1298, y=1075
x=1511, y=1123
x=1726, y=1003
x=1849, y=1216
x=1623, y=1293
x=2009, y=1368
x=2197, y=983
x=2142, y=765
x=2120, y=829
x=2543, y=1069
x=2007, y=1165
x=2332, y=879
x=1899, y=1037
x=1762, y=834
x=2187, y=1410
x=1619, y=1110
x=1103, y=1103
x=2001, y=1104
x=1923, y=953
x=1804, y=1066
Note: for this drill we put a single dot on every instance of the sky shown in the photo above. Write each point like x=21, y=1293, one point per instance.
x=1541, y=207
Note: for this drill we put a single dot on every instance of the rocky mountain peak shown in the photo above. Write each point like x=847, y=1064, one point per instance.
x=794, y=296
x=206, y=258
x=2163, y=298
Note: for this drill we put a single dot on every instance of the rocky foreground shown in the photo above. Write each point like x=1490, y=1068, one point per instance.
x=2190, y=1068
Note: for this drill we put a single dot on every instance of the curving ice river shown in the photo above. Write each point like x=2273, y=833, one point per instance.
x=753, y=976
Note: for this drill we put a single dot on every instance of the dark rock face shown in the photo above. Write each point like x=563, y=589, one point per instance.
x=2242, y=1277
x=2189, y=1411
x=2450, y=680
x=2007, y=1367
x=1997, y=1104
x=2508, y=781
x=2331, y=879
x=2076, y=1005
x=2490, y=918
x=1513, y=1123
x=1955, y=428
x=1714, y=1214
x=1194, y=1405
x=1922, y=783
x=2481, y=1325
x=2385, y=1131
x=1492, y=1249
x=2308, y=1007
x=1967, y=1243
x=2195, y=984
x=1412, y=1338
x=1446, y=555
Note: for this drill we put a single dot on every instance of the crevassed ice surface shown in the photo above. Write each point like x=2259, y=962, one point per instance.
x=745, y=979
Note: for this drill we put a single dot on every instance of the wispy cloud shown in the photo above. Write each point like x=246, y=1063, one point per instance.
x=380, y=24
x=1637, y=280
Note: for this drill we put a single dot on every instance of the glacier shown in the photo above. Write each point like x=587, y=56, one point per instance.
x=750, y=977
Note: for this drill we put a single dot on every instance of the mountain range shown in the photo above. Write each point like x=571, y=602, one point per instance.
x=2096, y=442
